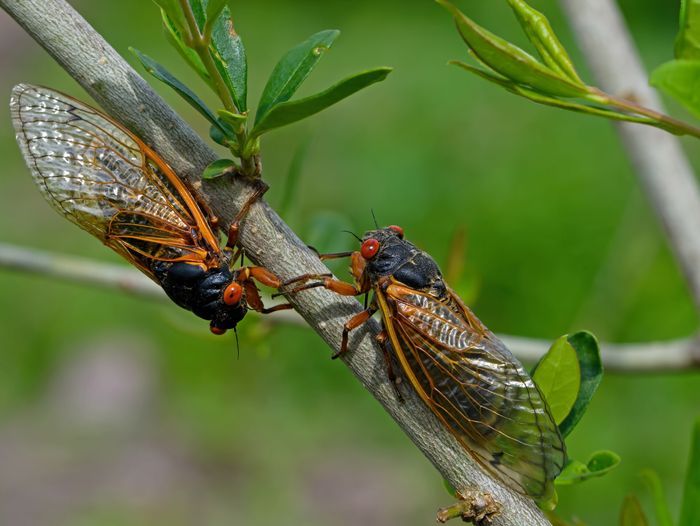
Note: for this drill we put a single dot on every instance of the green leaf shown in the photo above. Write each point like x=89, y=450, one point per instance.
x=292, y=111
x=231, y=58
x=292, y=69
x=235, y=120
x=540, y=32
x=591, y=367
x=681, y=80
x=227, y=51
x=663, y=514
x=449, y=487
x=172, y=9
x=214, y=8
x=632, y=513
x=558, y=376
x=690, y=509
x=218, y=136
x=186, y=93
x=687, y=45
x=575, y=471
x=218, y=168
x=511, y=61
x=174, y=36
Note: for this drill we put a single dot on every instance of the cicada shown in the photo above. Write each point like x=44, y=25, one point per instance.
x=100, y=176
x=464, y=374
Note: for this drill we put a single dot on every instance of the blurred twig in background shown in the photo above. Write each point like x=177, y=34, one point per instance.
x=673, y=355
x=663, y=169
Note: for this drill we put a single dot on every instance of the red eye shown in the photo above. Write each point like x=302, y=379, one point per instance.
x=398, y=230
x=232, y=294
x=217, y=330
x=369, y=248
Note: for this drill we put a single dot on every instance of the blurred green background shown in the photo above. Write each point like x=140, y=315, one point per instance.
x=119, y=411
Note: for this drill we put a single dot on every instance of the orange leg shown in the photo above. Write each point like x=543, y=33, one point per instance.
x=255, y=301
x=326, y=281
x=234, y=229
x=383, y=341
x=353, y=323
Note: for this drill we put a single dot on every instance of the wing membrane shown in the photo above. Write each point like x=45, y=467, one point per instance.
x=476, y=388
x=105, y=180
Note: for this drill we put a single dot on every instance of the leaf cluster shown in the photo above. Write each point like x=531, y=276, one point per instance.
x=202, y=32
x=552, y=79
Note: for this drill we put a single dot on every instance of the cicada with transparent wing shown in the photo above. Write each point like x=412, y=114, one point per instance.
x=103, y=178
x=463, y=373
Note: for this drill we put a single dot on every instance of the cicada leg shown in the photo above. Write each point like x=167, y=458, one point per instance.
x=383, y=341
x=245, y=277
x=234, y=229
x=474, y=506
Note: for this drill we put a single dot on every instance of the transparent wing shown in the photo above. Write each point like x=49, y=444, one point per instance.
x=105, y=180
x=477, y=388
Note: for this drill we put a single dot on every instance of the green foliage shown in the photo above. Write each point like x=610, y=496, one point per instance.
x=559, y=377
x=162, y=74
x=292, y=69
x=218, y=168
x=591, y=368
x=552, y=81
x=598, y=464
x=680, y=78
x=203, y=34
x=632, y=513
x=690, y=508
x=292, y=111
x=653, y=483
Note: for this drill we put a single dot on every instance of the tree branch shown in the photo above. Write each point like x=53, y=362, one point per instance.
x=88, y=58
x=650, y=357
x=659, y=161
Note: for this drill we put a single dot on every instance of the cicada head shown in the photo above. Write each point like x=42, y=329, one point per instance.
x=387, y=253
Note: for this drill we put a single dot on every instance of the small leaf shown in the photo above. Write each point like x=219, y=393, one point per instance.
x=172, y=9
x=632, y=513
x=575, y=471
x=511, y=61
x=558, y=377
x=687, y=45
x=292, y=69
x=174, y=36
x=690, y=509
x=235, y=120
x=231, y=58
x=218, y=168
x=663, y=514
x=186, y=93
x=214, y=8
x=293, y=111
x=591, y=367
x=540, y=32
x=449, y=487
x=218, y=136
x=681, y=80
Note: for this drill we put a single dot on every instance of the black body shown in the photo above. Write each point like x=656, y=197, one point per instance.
x=201, y=292
x=405, y=262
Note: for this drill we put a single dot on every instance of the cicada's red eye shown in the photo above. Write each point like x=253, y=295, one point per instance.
x=232, y=294
x=369, y=248
x=217, y=330
x=398, y=230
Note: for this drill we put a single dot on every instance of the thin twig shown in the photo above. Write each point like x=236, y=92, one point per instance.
x=88, y=58
x=659, y=161
x=652, y=357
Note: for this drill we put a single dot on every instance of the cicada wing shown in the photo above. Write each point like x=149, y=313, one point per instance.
x=102, y=178
x=477, y=388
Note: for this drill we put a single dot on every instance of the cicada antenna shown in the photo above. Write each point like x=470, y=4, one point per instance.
x=353, y=234
x=376, y=225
